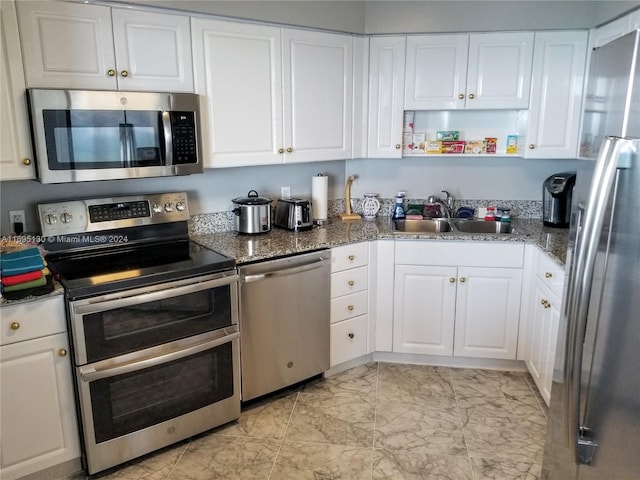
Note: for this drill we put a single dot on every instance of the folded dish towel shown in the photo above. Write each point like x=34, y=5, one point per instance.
x=21, y=278
x=24, y=261
x=25, y=285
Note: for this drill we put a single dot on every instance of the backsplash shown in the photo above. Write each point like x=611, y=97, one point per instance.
x=225, y=221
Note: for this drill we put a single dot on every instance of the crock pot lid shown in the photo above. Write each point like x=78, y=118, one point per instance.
x=252, y=198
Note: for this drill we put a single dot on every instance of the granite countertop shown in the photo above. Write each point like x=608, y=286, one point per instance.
x=278, y=242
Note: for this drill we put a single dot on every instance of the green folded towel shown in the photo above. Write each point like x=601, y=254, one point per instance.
x=23, y=286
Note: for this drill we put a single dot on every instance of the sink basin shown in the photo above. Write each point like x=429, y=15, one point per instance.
x=428, y=225
x=464, y=225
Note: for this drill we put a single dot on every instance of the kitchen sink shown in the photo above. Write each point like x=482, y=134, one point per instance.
x=464, y=225
x=453, y=225
x=428, y=225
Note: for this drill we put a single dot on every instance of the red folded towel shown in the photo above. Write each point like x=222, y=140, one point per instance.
x=21, y=278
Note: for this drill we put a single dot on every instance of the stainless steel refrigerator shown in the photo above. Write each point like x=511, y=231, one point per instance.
x=593, y=431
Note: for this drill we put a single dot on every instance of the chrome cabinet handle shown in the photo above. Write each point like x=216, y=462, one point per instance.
x=532, y=146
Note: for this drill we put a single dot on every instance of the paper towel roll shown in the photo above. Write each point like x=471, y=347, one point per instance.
x=319, y=195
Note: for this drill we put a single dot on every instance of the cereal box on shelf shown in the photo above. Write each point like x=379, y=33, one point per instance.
x=433, y=146
x=447, y=135
x=512, y=144
x=453, y=146
x=475, y=147
x=491, y=144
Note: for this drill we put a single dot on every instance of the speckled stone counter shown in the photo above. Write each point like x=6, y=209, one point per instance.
x=278, y=242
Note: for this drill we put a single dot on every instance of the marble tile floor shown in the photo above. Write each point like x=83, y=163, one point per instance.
x=375, y=421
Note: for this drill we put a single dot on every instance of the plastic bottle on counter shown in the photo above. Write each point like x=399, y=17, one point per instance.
x=398, y=208
x=490, y=216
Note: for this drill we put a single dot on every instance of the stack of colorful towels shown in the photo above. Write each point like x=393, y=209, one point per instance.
x=22, y=270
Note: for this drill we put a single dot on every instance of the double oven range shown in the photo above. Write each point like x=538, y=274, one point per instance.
x=153, y=320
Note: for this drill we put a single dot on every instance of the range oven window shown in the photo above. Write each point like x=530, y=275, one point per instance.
x=130, y=402
x=89, y=139
x=114, y=332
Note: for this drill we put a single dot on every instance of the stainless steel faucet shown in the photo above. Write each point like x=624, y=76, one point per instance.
x=446, y=206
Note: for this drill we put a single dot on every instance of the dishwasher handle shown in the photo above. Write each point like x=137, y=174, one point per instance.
x=317, y=263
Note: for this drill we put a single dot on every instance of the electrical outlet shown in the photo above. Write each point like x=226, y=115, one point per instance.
x=285, y=192
x=17, y=216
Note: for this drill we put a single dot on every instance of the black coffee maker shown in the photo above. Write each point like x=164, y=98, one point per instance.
x=557, y=191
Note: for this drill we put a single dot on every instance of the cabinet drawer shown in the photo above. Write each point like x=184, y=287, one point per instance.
x=26, y=321
x=468, y=254
x=349, y=281
x=550, y=273
x=349, y=256
x=348, y=339
x=348, y=306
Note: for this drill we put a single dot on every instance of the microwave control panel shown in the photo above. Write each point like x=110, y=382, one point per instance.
x=184, y=138
x=91, y=215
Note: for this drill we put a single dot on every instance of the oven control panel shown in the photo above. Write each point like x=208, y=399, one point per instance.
x=102, y=214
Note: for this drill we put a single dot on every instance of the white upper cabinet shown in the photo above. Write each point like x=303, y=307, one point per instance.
x=67, y=45
x=386, y=96
x=272, y=95
x=238, y=73
x=475, y=71
x=559, y=64
x=436, y=76
x=615, y=29
x=318, y=95
x=499, y=70
x=16, y=161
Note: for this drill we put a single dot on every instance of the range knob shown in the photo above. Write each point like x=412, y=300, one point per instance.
x=66, y=217
x=168, y=207
x=50, y=219
x=180, y=206
x=156, y=208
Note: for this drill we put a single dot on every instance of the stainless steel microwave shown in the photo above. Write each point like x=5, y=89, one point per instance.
x=86, y=135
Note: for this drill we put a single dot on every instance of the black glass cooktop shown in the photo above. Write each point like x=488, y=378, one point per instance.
x=92, y=273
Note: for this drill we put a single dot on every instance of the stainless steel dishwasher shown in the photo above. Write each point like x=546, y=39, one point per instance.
x=284, y=321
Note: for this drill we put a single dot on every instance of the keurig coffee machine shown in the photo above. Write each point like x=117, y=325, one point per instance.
x=557, y=191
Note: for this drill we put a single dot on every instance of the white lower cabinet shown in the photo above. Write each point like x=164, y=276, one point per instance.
x=37, y=409
x=349, y=302
x=465, y=303
x=544, y=321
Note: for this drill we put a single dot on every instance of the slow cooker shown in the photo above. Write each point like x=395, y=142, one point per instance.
x=253, y=213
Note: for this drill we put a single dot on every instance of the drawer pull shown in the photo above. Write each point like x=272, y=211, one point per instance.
x=351, y=283
x=548, y=275
x=350, y=308
x=352, y=335
x=15, y=326
x=352, y=257
x=62, y=352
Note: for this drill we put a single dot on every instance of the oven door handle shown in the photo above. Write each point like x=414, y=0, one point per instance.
x=90, y=373
x=121, y=300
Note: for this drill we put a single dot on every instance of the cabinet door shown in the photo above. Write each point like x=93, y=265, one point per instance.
x=556, y=94
x=238, y=74
x=38, y=416
x=67, y=45
x=544, y=335
x=386, y=96
x=499, y=70
x=153, y=51
x=16, y=161
x=487, y=312
x=436, y=72
x=318, y=95
x=424, y=309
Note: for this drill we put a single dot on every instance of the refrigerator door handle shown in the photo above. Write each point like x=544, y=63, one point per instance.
x=614, y=150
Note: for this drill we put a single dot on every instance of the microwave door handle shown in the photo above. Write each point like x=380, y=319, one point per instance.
x=168, y=139
x=127, y=146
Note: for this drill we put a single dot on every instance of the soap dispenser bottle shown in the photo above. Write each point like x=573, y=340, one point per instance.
x=398, y=208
